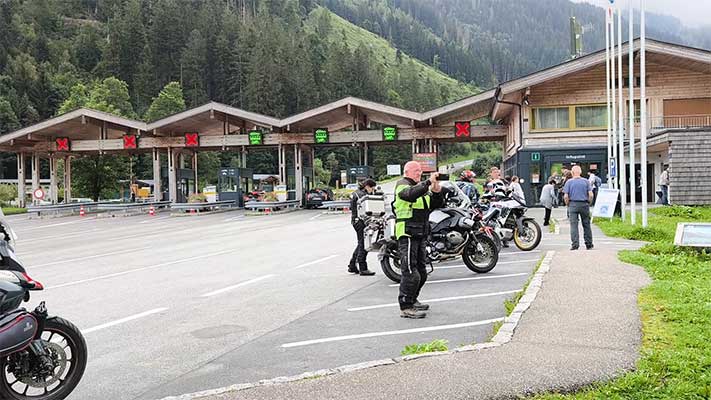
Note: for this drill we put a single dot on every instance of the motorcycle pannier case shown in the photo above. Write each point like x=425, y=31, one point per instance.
x=17, y=329
x=371, y=206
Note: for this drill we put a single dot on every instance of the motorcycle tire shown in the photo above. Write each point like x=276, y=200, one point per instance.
x=481, y=255
x=535, y=230
x=77, y=345
x=391, y=267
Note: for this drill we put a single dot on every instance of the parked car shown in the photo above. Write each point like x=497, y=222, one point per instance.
x=316, y=197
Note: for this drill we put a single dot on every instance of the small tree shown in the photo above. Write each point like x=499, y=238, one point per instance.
x=169, y=101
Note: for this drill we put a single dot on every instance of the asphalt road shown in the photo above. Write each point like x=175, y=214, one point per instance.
x=171, y=305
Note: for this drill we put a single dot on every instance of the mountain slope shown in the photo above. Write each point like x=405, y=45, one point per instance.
x=390, y=59
x=499, y=39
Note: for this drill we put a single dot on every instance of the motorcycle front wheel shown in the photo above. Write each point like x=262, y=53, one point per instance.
x=390, y=263
x=67, y=349
x=481, y=254
x=530, y=237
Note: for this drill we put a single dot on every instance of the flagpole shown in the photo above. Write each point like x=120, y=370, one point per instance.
x=630, y=127
x=643, y=111
x=620, y=120
x=615, y=154
x=610, y=142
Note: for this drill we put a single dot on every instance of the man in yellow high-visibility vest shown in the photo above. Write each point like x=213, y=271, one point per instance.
x=413, y=202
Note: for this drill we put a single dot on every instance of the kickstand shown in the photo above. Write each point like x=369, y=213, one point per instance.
x=431, y=268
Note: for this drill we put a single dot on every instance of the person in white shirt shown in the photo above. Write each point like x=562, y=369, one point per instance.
x=517, y=189
x=664, y=184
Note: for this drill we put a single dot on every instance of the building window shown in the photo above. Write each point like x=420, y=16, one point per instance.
x=569, y=118
x=551, y=118
x=591, y=117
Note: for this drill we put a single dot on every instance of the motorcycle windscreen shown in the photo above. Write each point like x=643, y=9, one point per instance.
x=17, y=330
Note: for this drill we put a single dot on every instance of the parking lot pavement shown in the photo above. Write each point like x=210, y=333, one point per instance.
x=174, y=305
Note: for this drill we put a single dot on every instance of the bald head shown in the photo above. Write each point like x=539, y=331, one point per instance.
x=577, y=171
x=413, y=170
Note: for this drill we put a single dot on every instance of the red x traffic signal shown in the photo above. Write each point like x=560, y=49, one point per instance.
x=62, y=144
x=130, y=142
x=192, y=140
x=462, y=129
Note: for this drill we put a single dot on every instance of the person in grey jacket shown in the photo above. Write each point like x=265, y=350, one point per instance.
x=548, y=199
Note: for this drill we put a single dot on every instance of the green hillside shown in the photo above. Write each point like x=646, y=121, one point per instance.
x=387, y=55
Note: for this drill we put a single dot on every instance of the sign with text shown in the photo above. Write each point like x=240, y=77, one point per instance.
x=613, y=168
x=693, y=234
x=462, y=129
x=256, y=138
x=192, y=140
x=130, y=141
x=605, y=203
x=394, y=170
x=428, y=161
x=389, y=133
x=62, y=144
x=321, y=136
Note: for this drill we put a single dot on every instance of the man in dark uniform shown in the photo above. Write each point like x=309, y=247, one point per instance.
x=413, y=203
x=359, y=254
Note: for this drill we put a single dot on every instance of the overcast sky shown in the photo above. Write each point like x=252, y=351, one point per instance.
x=692, y=13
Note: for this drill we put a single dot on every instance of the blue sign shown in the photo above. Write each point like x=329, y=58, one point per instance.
x=613, y=168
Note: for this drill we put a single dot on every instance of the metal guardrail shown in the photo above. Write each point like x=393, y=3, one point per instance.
x=202, y=206
x=271, y=205
x=62, y=209
x=127, y=208
x=336, y=204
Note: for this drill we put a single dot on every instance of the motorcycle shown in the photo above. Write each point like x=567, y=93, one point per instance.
x=454, y=232
x=41, y=357
x=506, y=216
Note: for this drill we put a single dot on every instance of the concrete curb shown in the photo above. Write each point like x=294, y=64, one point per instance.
x=503, y=336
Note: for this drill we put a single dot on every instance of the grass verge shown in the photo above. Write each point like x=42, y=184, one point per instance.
x=13, y=210
x=676, y=313
x=421, y=348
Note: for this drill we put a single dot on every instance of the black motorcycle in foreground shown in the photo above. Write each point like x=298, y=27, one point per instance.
x=454, y=231
x=41, y=357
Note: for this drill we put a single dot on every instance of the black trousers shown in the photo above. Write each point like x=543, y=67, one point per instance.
x=359, y=254
x=413, y=267
x=547, y=217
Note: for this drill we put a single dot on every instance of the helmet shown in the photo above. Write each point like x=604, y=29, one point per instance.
x=467, y=176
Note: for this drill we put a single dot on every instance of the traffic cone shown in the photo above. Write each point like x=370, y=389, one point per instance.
x=193, y=211
x=152, y=211
x=267, y=211
x=81, y=211
x=346, y=210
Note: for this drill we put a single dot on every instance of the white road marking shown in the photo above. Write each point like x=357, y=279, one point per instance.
x=468, y=279
x=391, y=333
x=316, y=261
x=125, y=251
x=498, y=263
x=59, y=224
x=316, y=216
x=140, y=269
x=39, y=239
x=473, y=296
x=511, y=253
x=227, y=289
x=154, y=219
x=123, y=320
x=233, y=218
